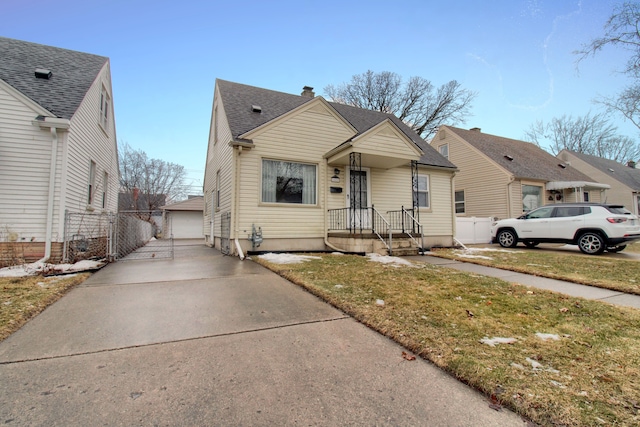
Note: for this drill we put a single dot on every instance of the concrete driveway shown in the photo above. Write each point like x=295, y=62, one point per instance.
x=205, y=339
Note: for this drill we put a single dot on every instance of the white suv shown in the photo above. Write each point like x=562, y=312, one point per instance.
x=594, y=227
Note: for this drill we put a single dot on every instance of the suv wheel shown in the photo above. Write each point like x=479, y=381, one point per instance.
x=507, y=238
x=591, y=243
x=616, y=248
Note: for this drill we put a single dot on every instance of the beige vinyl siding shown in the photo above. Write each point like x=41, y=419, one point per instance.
x=438, y=219
x=219, y=157
x=391, y=189
x=303, y=137
x=618, y=193
x=25, y=159
x=485, y=183
x=88, y=141
x=385, y=142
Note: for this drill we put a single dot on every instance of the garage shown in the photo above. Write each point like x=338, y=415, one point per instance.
x=184, y=219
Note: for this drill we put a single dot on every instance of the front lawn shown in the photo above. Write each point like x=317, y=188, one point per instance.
x=22, y=298
x=601, y=271
x=556, y=360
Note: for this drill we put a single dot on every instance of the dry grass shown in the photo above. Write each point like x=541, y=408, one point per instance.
x=604, y=272
x=589, y=376
x=22, y=298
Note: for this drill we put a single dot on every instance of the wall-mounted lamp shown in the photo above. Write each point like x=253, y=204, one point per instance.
x=335, y=177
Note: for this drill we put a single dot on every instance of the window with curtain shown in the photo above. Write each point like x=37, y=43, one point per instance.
x=531, y=197
x=288, y=182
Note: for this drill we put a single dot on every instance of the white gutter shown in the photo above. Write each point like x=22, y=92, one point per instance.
x=53, y=123
x=235, y=202
x=563, y=185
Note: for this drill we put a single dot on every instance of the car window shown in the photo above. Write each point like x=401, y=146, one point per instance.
x=568, y=211
x=618, y=210
x=540, y=213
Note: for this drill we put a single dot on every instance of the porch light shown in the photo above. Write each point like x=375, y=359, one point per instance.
x=335, y=177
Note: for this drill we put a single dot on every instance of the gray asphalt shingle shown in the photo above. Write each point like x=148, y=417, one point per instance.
x=622, y=173
x=238, y=100
x=72, y=74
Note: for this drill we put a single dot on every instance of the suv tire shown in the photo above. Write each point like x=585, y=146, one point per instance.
x=591, y=243
x=508, y=239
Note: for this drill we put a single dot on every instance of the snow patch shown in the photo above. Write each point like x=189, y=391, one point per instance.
x=41, y=267
x=545, y=337
x=391, y=260
x=286, y=258
x=497, y=340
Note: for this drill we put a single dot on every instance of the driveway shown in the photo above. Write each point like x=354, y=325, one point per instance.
x=204, y=339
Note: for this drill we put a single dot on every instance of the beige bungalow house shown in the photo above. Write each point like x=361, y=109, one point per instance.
x=623, y=179
x=295, y=172
x=502, y=178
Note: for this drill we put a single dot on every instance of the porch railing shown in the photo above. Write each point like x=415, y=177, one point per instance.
x=404, y=221
x=359, y=220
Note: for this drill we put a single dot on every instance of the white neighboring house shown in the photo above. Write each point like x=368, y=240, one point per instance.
x=183, y=220
x=58, y=147
x=295, y=172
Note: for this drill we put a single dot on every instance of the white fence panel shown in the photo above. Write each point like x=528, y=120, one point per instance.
x=473, y=230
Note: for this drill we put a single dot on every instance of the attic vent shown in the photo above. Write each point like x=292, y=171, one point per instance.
x=256, y=109
x=508, y=157
x=611, y=170
x=42, y=73
x=562, y=165
x=476, y=129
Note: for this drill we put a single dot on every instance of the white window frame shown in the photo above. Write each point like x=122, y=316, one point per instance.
x=458, y=203
x=426, y=191
x=105, y=105
x=105, y=189
x=217, y=194
x=92, y=182
x=444, y=150
x=315, y=180
x=540, y=201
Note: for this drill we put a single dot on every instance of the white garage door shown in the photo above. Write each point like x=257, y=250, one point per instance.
x=187, y=225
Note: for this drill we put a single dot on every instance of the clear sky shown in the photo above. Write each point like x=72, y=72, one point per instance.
x=166, y=55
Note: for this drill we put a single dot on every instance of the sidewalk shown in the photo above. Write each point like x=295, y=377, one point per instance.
x=205, y=339
x=568, y=288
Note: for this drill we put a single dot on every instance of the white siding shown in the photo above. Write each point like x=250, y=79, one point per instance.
x=25, y=158
x=89, y=141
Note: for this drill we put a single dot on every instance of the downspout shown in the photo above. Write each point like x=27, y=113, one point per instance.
x=52, y=185
x=326, y=211
x=235, y=204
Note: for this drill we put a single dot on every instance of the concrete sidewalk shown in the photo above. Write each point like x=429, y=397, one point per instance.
x=567, y=288
x=205, y=339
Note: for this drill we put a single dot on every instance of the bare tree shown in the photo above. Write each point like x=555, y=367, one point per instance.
x=417, y=103
x=622, y=30
x=151, y=182
x=589, y=134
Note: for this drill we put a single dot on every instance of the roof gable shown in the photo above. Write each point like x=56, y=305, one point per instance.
x=521, y=159
x=238, y=101
x=618, y=171
x=72, y=74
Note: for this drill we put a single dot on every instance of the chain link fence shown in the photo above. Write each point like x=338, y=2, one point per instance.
x=130, y=235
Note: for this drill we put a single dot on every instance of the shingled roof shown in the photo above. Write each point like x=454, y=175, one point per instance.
x=521, y=159
x=239, y=100
x=72, y=73
x=624, y=174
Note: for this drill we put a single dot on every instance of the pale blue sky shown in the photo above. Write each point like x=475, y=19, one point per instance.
x=166, y=55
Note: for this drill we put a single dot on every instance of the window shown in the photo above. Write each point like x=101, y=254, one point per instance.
x=541, y=213
x=444, y=150
x=288, y=182
x=92, y=181
x=531, y=197
x=217, y=195
x=459, y=200
x=105, y=187
x=105, y=102
x=422, y=191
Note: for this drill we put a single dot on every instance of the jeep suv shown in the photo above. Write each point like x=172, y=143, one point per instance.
x=594, y=227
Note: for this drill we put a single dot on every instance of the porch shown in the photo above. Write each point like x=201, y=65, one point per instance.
x=368, y=230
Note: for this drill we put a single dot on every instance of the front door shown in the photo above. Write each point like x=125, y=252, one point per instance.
x=358, y=198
